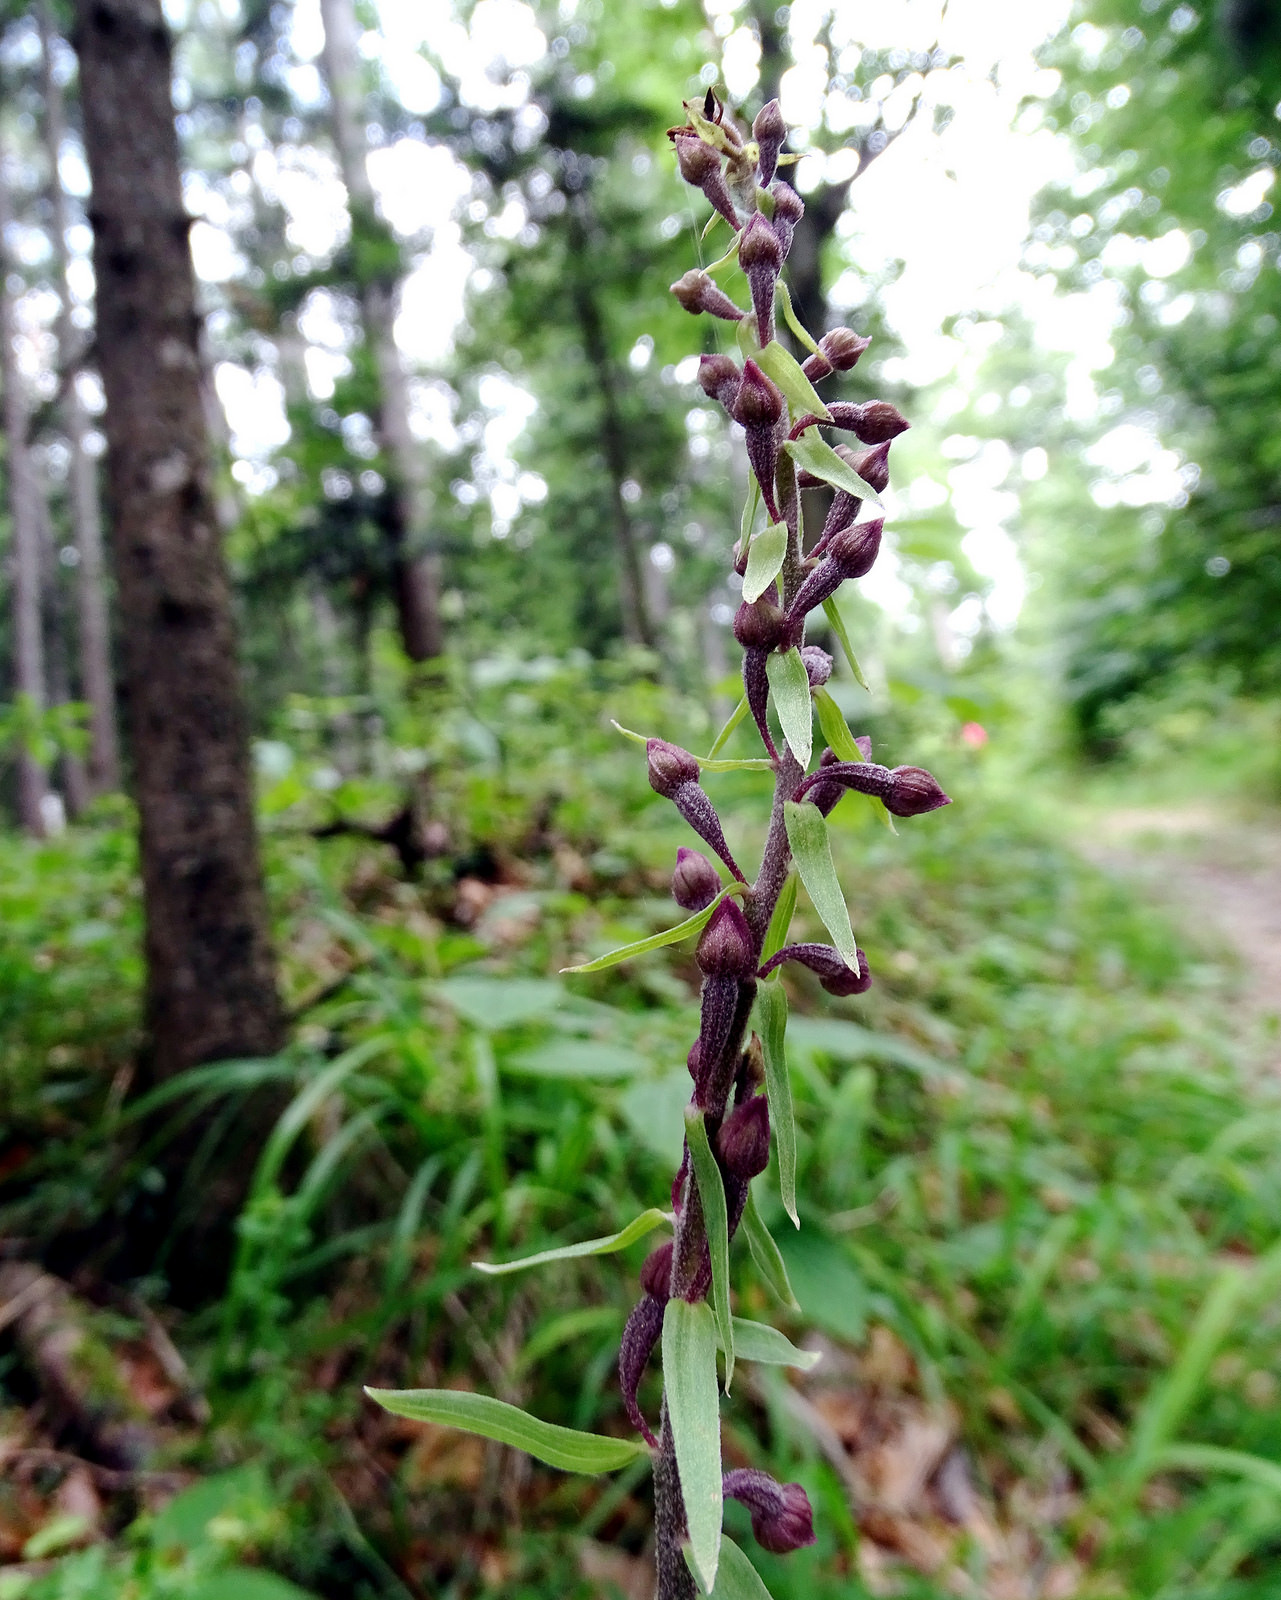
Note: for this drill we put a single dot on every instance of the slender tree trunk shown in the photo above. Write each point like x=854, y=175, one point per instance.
x=415, y=571
x=75, y=780
x=638, y=627
x=96, y=677
x=210, y=974
x=28, y=635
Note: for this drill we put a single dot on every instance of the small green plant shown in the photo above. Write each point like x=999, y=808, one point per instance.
x=742, y=926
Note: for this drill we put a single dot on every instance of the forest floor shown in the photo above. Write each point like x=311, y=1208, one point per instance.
x=1220, y=872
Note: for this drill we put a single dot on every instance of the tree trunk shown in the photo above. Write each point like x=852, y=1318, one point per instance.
x=210, y=974
x=96, y=678
x=415, y=571
x=28, y=635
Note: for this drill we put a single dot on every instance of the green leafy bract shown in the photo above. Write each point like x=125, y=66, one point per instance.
x=757, y=1341
x=792, y=320
x=771, y=1010
x=565, y=1448
x=833, y=614
x=812, y=850
x=656, y=941
x=737, y=1579
x=790, y=685
x=764, y=560
x=835, y=728
x=711, y=1191
x=778, y=364
x=693, y=1414
x=722, y=738
x=817, y=456
x=708, y=764
x=781, y=921
x=637, y=1228
x=766, y=1255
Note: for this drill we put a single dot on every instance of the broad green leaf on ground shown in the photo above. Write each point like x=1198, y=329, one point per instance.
x=790, y=685
x=817, y=456
x=766, y=1255
x=764, y=560
x=654, y=1110
x=656, y=941
x=575, y=1058
x=793, y=321
x=757, y=1341
x=812, y=850
x=245, y=1583
x=565, y=1448
x=494, y=1003
x=711, y=1191
x=737, y=1579
x=693, y=1412
x=835, y=728
x=722, y=738
x=637, y=1228
x=780, y=365
x=833, y=614
x=771, y=1011
x=830, y=1288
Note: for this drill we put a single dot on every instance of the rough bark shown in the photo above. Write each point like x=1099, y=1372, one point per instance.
x=28, y=633
x=210, y=975
x=97, y=680
x=415, y=570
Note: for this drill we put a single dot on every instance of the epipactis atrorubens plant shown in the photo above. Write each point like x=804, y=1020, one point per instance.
x=741, y=1096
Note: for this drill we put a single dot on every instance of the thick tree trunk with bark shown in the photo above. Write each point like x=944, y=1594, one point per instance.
x=28, y=633
x=96, y=678
x=415, y=571
x=210, y=975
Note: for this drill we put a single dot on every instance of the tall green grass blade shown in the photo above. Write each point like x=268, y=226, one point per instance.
x=408, y=1221
x=693, y=1414
x=771, y=1010
x=636, y=1229
x=766, y=1255
x=711, y=1191
x=565, y=1448
x=812, y=850
x=1213, y=1459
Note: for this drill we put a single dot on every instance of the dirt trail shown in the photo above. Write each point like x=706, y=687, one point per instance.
x=1224, y=873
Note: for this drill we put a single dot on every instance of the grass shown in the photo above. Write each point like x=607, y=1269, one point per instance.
x=1040, y=1210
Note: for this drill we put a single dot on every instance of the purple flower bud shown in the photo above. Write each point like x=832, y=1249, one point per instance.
x=696, y=292
x=725, y=949
x=656, y=1273
x=818, y=665
x=669, y=767
x=695, y=882
x=827, y=964
x=854, y=550
x=701, y=166
x=838, y=351
x=694, y=1060
x=781, y=1516
x=758, y=624
x=759, y=407
x=639, y=1338
x=751, y=1069
x=820, y=584
x=743, y=1140
x=756, y=689
x=769, y=130
x=761, y=257
x=864, y=743
x=789, y=208
x=690, y=799
x=864, y=776
x=873, y=465
x=720, y=379
x=874, y=423
x=913, y=792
